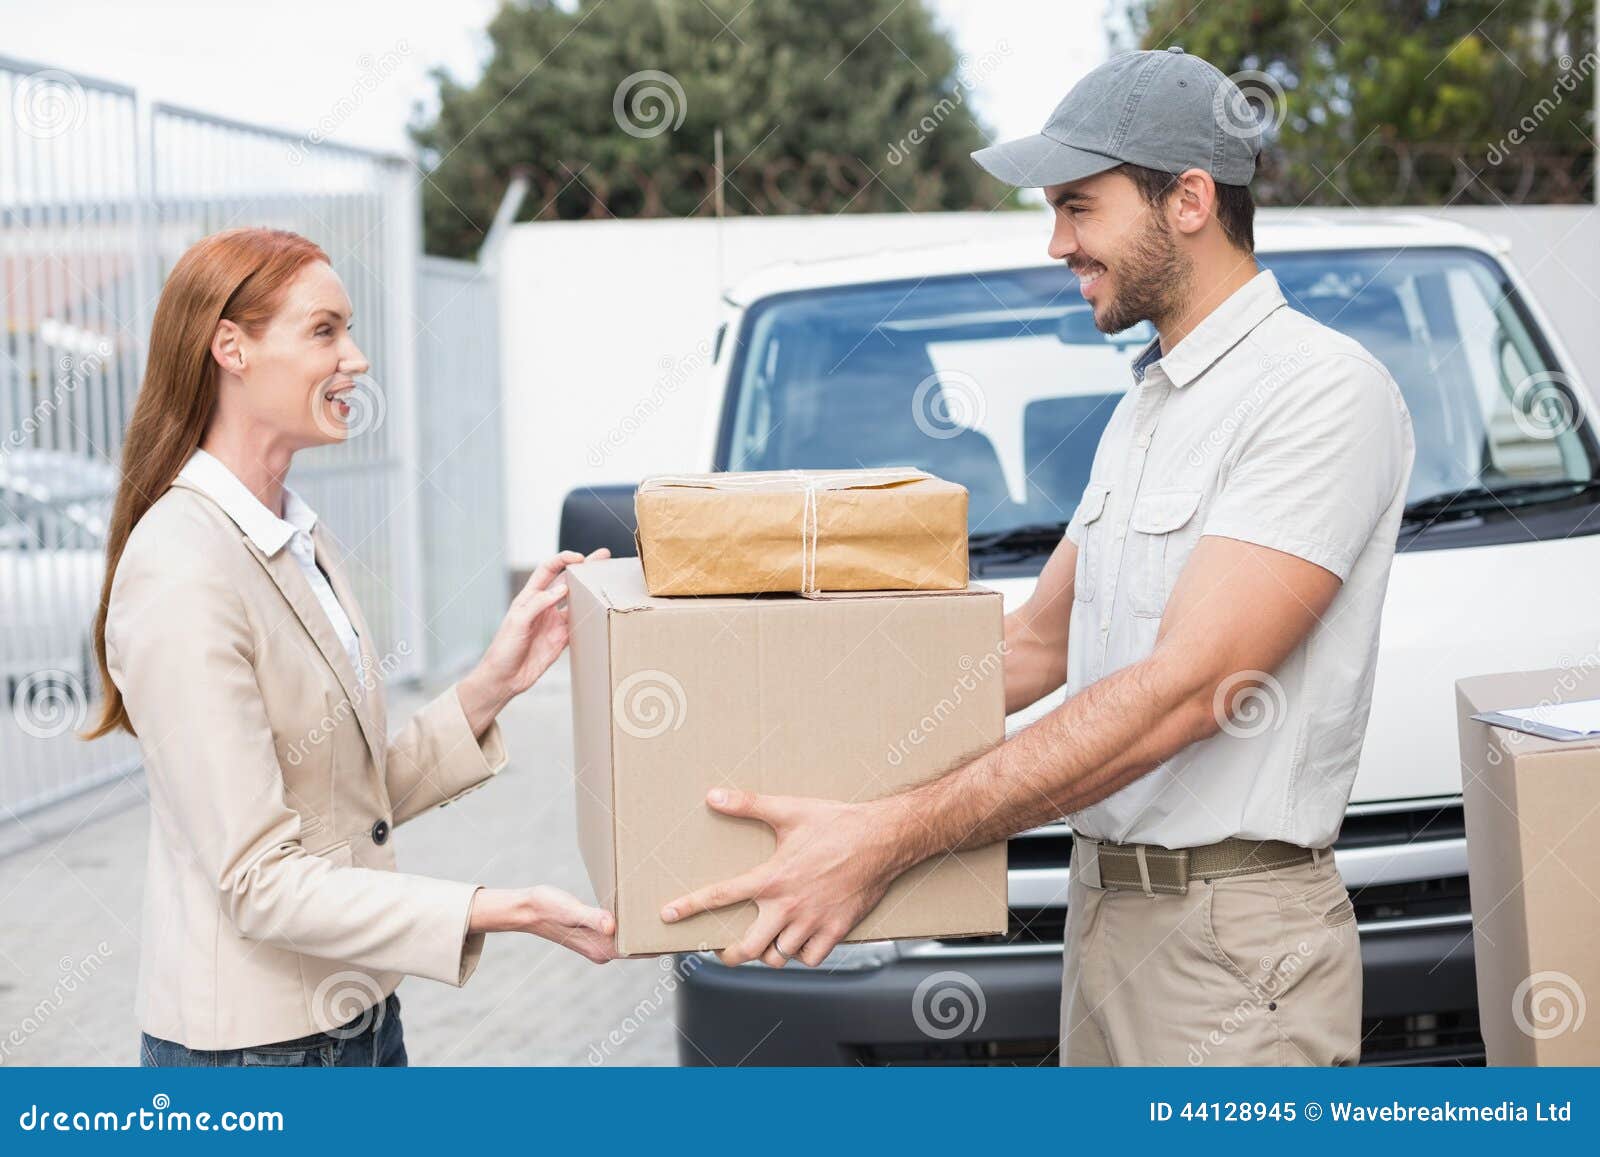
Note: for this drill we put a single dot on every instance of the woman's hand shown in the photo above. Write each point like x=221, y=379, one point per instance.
x=549, y=913
x=531, y=637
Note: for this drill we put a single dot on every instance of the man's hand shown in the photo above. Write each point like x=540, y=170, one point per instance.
x=832, y=865
x=1238, y=609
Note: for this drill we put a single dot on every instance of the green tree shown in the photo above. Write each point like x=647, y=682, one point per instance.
x=1403, y=101
x=824, y=106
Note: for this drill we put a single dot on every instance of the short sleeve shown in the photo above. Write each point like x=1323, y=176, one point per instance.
x=1314, y=473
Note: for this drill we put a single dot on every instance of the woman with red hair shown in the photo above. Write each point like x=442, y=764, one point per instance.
x=275, y=925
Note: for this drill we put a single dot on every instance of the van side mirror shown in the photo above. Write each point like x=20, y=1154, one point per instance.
x=596, y=516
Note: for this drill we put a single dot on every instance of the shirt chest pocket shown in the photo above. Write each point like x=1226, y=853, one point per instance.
x=1162, y=531
x=1091, y=541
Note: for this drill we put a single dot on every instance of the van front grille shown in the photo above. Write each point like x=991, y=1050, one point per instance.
x=1411, y=900
x=1032, y=1053
x=1434, y=1038
x=1444, y=1038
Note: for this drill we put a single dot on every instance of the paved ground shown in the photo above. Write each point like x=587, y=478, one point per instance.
x=70, y=896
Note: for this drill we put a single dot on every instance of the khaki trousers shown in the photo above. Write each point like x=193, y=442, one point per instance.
x=1263, y=969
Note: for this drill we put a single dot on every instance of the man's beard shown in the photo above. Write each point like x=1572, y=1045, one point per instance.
x=1151, y=281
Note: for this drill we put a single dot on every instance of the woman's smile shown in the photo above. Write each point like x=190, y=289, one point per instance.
x=334, y=396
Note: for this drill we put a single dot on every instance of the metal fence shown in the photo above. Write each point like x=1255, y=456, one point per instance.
x=100, y=193
x=461, y=483
x=1380, y=171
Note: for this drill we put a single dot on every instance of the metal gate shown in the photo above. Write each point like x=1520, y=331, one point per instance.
x=100, y=193
x=461, y=484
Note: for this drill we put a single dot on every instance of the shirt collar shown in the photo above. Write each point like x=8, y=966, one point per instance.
x=260, y=525
x=1218, y=332
x=1147, y=357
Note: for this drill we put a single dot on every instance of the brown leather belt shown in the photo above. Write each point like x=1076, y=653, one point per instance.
x=1149, y=868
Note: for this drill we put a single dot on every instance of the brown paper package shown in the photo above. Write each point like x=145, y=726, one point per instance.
x=895, y=528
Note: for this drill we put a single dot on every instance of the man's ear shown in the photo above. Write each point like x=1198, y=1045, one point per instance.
x=1193, y=201
x=226, y=346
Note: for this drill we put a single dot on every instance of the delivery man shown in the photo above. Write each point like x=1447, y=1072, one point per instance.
x=1213, y=610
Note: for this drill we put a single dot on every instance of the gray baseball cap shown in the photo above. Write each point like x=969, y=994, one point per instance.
x=1164, y=110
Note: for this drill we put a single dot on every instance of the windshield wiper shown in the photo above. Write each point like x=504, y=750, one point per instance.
x=1484, y=500
x=1024, y=541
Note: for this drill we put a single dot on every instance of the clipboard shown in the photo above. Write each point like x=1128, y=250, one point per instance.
x=1542, y=730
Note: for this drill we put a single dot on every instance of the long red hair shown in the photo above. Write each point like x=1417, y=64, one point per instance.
x=239, y=275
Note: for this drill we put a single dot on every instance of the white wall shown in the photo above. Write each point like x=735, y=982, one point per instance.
x=606, y=328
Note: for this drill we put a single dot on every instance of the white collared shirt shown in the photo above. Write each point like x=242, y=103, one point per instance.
x=1265, y=426
x=272, y=534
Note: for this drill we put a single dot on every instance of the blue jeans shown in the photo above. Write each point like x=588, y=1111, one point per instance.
x=373, y=1038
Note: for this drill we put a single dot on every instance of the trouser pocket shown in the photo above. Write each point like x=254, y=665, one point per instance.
x=1289, y=940
x=316, y=1056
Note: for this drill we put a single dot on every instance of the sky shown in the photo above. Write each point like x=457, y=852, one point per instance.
x=290, y=63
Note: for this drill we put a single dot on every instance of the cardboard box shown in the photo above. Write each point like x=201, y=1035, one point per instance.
x=895, y=528
x=840, y=697
x=1533, y=852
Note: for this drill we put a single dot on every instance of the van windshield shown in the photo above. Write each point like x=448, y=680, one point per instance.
x=1001, y=382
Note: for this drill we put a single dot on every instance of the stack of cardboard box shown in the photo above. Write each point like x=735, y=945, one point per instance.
x=1533, y=853
x=796, y=633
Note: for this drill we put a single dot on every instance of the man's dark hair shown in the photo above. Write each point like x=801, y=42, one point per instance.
x=1236, y=209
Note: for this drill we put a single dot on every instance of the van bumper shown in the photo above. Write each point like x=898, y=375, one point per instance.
x=1419, y=1006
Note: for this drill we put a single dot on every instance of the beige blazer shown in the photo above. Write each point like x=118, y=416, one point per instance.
x=272, y=906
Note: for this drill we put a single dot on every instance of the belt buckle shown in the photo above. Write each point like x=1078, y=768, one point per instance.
x=1161, y=871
